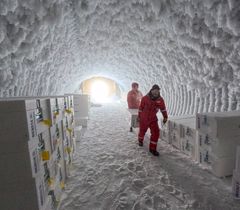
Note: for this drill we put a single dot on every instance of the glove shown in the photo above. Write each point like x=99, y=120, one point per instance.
x=164, y=120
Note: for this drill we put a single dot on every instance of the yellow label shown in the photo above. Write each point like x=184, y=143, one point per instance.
x=62, y=185
x=50, y=181
x=68, y=150
x=69, y=130
x=56, y=114
x=68, y=111
x=47, y=122
x=45, y=155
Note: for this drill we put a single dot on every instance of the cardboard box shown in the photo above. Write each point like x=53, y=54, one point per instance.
x=188, y=147
x=17, y=104
x=57, y=109
x=81, y=105
x=219, y=166
x=225, y=147
x=56, y=134
x=222, y=167
x=175, y=139
x=220, y=124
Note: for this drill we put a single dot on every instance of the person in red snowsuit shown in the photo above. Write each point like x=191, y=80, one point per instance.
x=133, y=99
x=150, y=105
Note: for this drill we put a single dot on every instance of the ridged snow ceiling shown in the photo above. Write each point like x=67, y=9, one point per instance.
x=191, y=48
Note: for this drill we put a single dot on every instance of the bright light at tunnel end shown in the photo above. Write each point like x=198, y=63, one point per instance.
x=100, y=92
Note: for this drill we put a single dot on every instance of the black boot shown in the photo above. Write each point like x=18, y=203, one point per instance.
x=131, y=129
x=154, y=152
x=140, y=143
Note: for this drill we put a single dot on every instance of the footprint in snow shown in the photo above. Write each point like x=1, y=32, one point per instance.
x=131, y=166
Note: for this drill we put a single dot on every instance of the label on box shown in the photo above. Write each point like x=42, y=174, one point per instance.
x=62, y=184
x=31, y=124
x=68, y=150
x=47, y=122
x=45, y=155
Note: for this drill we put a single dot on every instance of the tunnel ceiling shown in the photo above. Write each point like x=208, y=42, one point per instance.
x=190, y=48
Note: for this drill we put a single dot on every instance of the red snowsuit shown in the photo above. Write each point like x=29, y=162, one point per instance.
x=148, y=118
x=134, y=99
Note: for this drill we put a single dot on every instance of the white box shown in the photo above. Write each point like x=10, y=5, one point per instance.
x=189, y=148
x=225, y=147
x=17, y=104
x=42, y=193
x=175, y=126
x=219, y=124
x=223, y=166
x=34, y=157
x=69, y=121
x=178, y=127
x=12, y=145
x=43, y=114
x=23, y=175
x=219, y=166
x=15, y=169
x=188, y=137
x=175, y=139
x=46, y=137
x=31, y=123
x=13, y=121
x=81, y=105
x=68, y=101
x=57, y=108
x=56, y=134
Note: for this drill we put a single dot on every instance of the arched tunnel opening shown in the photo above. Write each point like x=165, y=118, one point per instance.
x=68, y=139
x=101, y=90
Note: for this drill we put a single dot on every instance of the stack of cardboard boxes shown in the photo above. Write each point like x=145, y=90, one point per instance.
x=69, y=143
x=175, y=133
x=182, y=132
x=188, y=137
x=208, y=138
x=37, y=145
x=218, y=135
x=81, y=109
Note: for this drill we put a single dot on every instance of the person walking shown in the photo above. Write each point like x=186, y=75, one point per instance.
x=134, y=97
x=147, y=115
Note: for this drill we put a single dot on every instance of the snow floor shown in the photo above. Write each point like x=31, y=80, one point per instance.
x=111, y=171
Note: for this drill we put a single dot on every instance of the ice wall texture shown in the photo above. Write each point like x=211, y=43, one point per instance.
x=190, y=48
